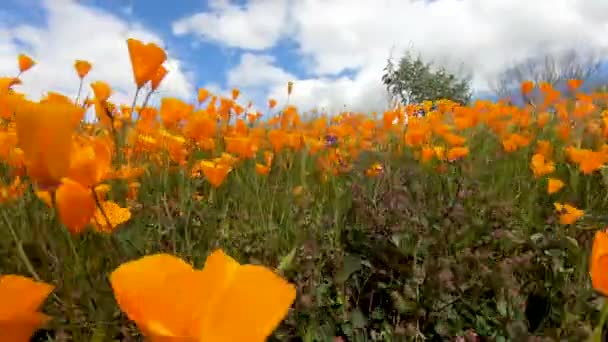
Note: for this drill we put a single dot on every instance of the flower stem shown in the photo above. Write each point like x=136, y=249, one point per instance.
x=20, y=251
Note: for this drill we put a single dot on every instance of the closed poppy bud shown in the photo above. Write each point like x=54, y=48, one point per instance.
x=289, y=87
x=272, y=103
x=25, y=62
x=82, y=68
x=527, y=87
x=235, y=93
x=203, y=94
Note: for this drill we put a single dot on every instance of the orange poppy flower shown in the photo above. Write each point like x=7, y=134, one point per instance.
x=158, y=76
x=82, y=68
x=262, y=169
x=7, y=82
x=374, y=170
x=599, y=263
x=44, y=133
x=568, y=214
x=272, y=103
x=203, y=94
x=574, y=84
x=540, y=166
x=75, y=204
x=25, y=62
x=90, y=162
x=225, y=301
x=527, y=87
x=145, y=60
x=456, y=153
x=215, y=173
x=21, y=297
x=554, y=185
x=235, y=93
x=101, y=90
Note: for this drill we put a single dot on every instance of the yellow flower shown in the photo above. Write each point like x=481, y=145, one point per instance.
x=114, y=213
x=21, y=297
x=225, y=301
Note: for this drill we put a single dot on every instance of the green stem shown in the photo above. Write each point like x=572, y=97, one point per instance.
x=20, y=251
x=103, y=212
x=79, y=91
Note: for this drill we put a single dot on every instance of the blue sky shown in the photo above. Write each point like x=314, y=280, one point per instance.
x=334, y=50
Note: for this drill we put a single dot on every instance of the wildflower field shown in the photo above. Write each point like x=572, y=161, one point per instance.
x=208, y=221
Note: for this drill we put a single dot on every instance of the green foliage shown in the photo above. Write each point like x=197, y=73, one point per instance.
x=408, y=254
x=414, y=81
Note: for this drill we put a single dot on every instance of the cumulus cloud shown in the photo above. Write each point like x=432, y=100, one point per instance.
x=482, y=36
x=73, y=31
x=256, y=25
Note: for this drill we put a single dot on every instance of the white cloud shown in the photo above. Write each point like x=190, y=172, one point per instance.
x=332, y=36
x=71, y=32
x=259, y=79
x=257, y=70
x=258, y=25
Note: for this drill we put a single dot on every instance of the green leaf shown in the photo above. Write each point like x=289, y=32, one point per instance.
x=357, y=319
x=352, y=264
x=287, y=261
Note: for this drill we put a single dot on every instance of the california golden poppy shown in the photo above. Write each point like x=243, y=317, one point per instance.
x=101, y=90
x=82, y=68
x=25, y=63
x=599, y=263
x=554, y=185
x=215, y=173
x=225, y=301
x=158, y=76
x=527, y=87
x=90, y=161
x=568, y=214
x=75, y=205
x=235, y=93
x=203, y=94
x=145, y=60
x=6, y=83
x=272, y=103
x=21, y=298
x=44, y=133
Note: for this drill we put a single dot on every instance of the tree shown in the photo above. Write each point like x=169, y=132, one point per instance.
x=414, y=81
x=553, y=68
